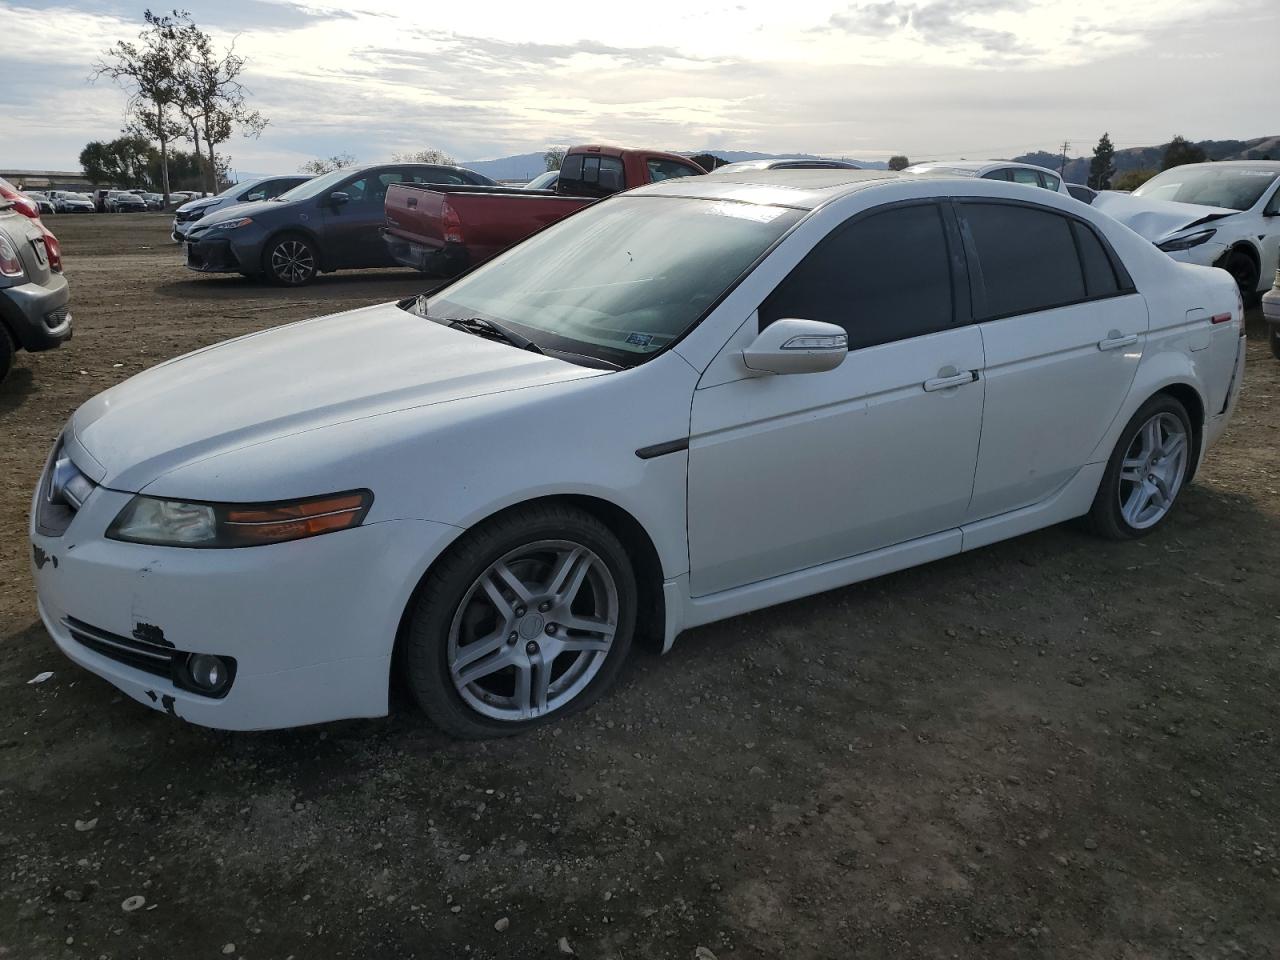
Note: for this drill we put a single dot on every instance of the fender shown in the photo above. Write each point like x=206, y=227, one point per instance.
x=1167, y=368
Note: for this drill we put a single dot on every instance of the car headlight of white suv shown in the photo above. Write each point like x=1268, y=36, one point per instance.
x=178, y=523
x=1187, y=242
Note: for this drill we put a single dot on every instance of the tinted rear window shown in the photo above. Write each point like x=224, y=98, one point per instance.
x=1026, y=258
x=1099, y=275
x=591, y=175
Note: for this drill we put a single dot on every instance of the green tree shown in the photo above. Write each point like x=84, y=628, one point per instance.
x=1179, y=150
x=1102, y=167
x=429, y=155
x=328, y=164
x=213, y=101
x=1132, y=179
x=708, y=161
x=123, y=162
x=553, y=159
x=899, y=162
x=148, y=72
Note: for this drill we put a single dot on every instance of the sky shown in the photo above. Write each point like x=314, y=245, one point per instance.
x=932, y=79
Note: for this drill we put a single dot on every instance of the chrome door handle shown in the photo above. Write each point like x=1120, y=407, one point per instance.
x=946, y=383
x=1115, y=342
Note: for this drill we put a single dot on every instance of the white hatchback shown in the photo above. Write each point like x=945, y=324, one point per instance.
x=686, y=402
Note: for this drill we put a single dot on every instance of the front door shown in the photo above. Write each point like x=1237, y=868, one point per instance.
x=352, y=235
x=1062, y=330
x=788, y=472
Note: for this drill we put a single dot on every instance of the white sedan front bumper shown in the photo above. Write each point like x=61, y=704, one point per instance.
x=310, y=624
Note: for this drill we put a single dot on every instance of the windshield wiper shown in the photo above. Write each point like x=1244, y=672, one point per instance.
x=493, y=331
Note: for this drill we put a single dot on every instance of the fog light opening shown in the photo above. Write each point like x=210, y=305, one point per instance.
x=209, y=675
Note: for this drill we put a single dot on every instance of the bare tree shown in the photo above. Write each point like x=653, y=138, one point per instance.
x=430, y=155
x=328, y=164
x=213, y=101
x=148, y=71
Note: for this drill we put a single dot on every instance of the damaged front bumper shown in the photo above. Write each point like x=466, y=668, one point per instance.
x=308, y=625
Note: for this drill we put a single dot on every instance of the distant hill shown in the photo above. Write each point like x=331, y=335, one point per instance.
x=1140, y=158
x=525, y=166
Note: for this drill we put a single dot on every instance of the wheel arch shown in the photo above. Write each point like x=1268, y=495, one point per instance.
x=651, y=609
x=1246, y=246
x=1193, y=403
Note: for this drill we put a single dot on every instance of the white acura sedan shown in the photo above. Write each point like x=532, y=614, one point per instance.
x=686, y=402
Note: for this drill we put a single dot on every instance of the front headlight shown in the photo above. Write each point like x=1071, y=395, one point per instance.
x=1187, y=242
x=231, y=224
x=176, y=523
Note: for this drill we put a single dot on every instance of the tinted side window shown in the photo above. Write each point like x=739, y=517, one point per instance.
x=1026, y=259
x=1099, y=275
x=1030, y=177
x=883, y=277
x=1050, y=181
x=1000, y=174
x=591, y=175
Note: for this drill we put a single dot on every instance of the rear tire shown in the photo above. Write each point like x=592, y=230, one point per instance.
x=7, y=351
x=1146, y=472
x=493, y=618
x=291, y=260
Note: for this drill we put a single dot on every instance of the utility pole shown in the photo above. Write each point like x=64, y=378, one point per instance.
x=1062, y=166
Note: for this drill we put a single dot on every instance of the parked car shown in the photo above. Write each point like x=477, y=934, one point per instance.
x=247, y=191
x=122, y=201
x=543, y=181
x=658, y=410
x=328, y=223
x=43, y=202
x=20, y=201
x=33, y=292
x=1081, y=192
x=155, y=201
x=1271, y=314
x=1025, y=173
x=1224, y=214
x=444, y=230
x=67, y=201
x=784, y=163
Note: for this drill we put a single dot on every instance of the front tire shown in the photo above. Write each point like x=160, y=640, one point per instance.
x=1146, y=472
x=291, y=260
x=527, y=619
x=7, y=351
x=1245, y=273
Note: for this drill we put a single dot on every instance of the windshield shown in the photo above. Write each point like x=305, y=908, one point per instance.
x=1235, y=188
x=313, y=188
x=542, y=180
x=242, y=185
x=623, y=278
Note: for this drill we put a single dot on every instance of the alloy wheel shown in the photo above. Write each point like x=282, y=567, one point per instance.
x=1152, y=471
x=292, y=262
x=533, y=630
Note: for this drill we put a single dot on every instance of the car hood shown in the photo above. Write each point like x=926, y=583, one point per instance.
x=235, y=211
x=197, y=204
x=1157, y=219
x=290, y=380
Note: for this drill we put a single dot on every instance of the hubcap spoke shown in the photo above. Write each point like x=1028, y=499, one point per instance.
x=503, y=574
x=485, y=666
x=1152, y=471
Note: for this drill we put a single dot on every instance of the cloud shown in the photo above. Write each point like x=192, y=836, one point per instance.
x=945, y=23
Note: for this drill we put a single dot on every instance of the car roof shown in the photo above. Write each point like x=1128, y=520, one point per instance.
x=802, y=189
x=784, y=163
x=1272, y=165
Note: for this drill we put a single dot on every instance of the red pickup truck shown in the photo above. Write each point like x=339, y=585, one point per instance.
x=444, y=230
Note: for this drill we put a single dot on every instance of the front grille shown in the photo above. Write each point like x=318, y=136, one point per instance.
x=152, y=655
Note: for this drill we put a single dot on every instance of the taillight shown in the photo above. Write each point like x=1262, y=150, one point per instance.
x=27, y=208
x=10, y=265
x=451, y=222
x=53, y=249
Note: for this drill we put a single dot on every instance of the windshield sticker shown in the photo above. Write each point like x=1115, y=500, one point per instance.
x=640, y=339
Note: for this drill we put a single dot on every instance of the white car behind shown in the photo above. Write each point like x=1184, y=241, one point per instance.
x=686, y=402
x=1224, y=214
x=1027, y=174
x=246, y=191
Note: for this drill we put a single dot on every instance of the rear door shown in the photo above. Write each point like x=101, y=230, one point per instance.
x=788, y=472
x=1062, y=329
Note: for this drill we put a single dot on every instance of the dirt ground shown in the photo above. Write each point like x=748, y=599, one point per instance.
x=1053, y=747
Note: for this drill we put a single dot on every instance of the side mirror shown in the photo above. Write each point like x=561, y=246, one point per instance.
x=797, y=346
x=338, y=198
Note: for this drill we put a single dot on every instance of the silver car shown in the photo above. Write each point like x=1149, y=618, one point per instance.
x=246, y=191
